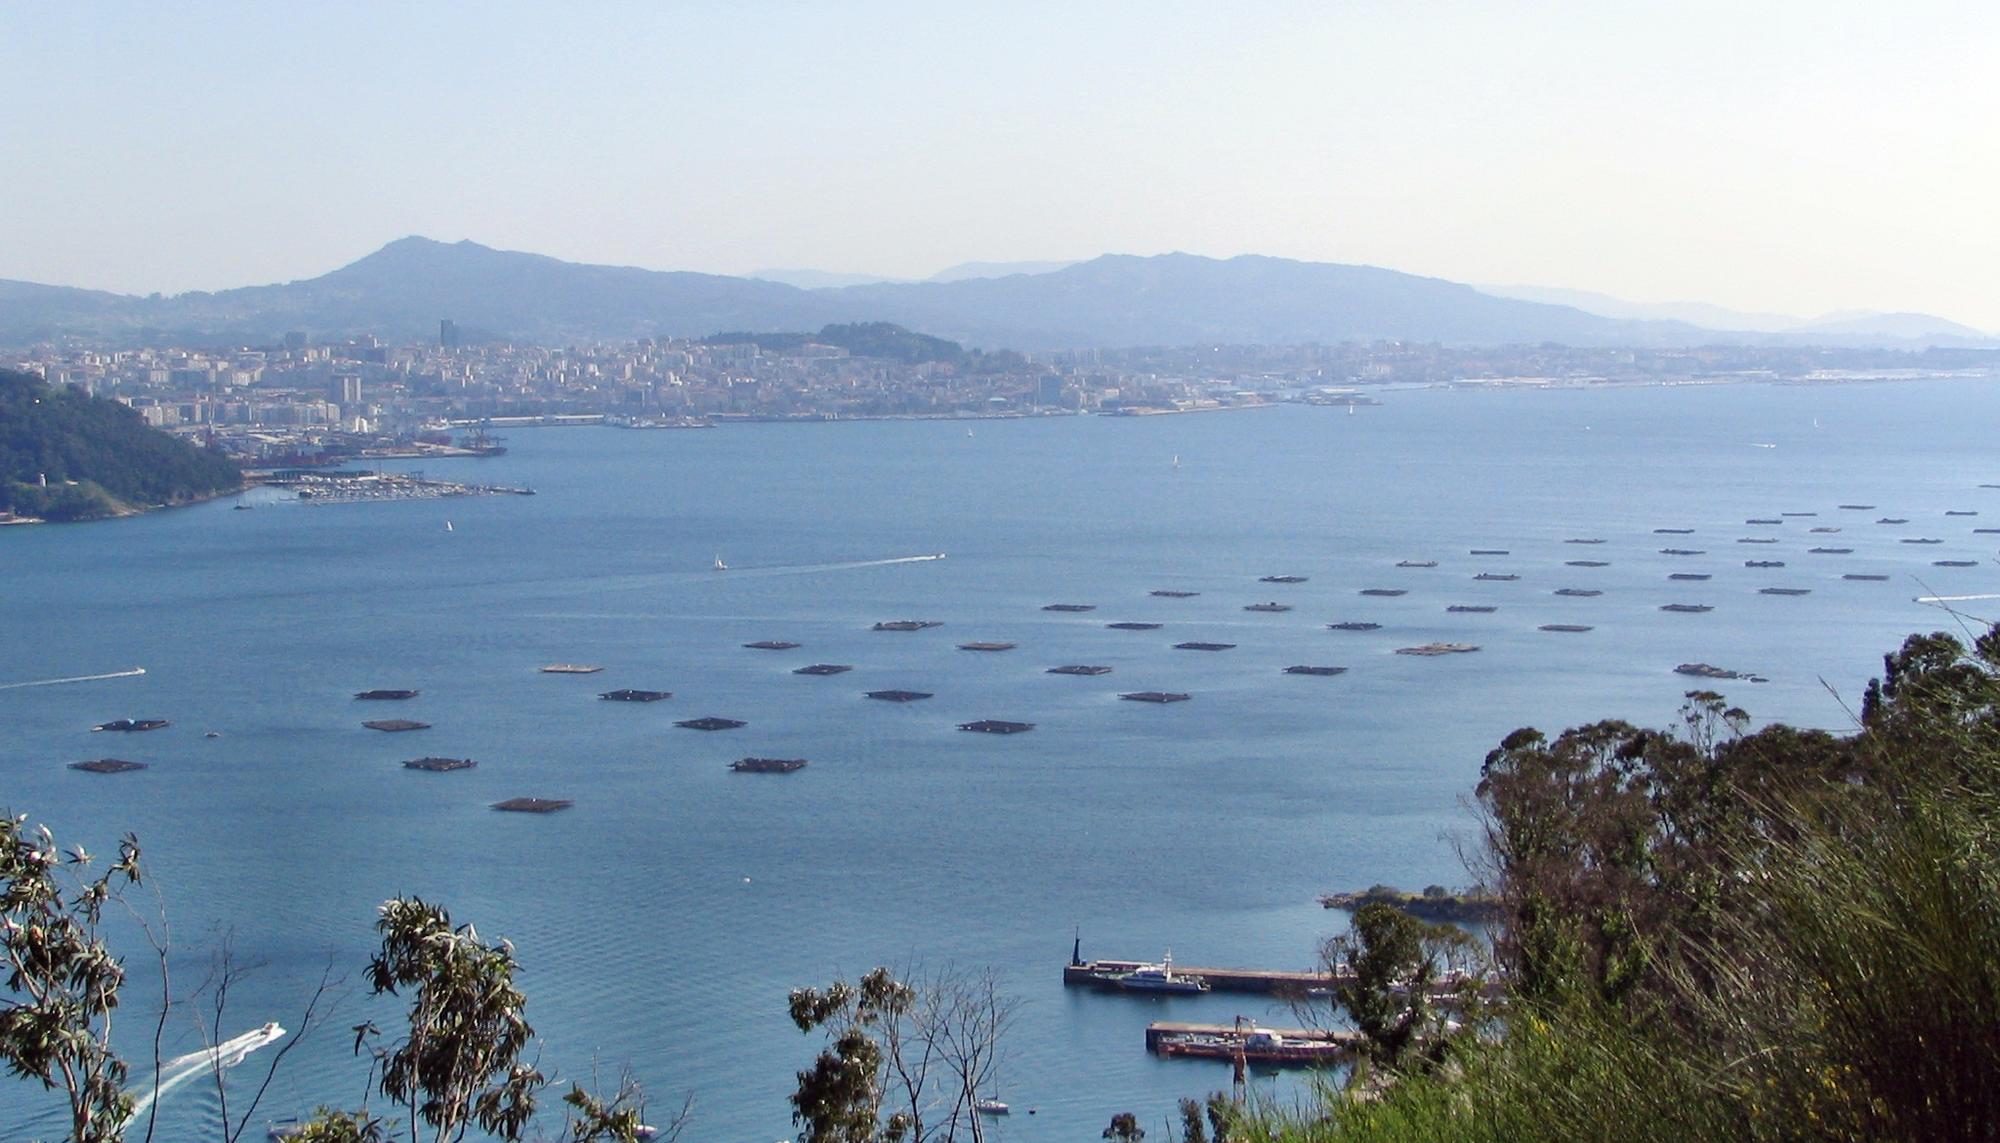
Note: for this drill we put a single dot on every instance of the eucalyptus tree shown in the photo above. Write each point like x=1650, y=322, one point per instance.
x=62, y=980
x=905, y=1062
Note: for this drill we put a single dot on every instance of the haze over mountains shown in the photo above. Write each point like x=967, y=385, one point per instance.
x=401, y=290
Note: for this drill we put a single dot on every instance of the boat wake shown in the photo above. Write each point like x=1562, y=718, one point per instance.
x=849, y=565
x=181, y=1070
x=74, y=679
x=1955, y=598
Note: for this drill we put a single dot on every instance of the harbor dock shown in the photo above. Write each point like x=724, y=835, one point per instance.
x=1101, y=973
x=1160, y=1030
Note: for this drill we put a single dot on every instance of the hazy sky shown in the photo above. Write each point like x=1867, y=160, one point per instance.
x=1796, y=157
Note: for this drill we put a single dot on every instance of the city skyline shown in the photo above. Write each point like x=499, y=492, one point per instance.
x=1790, y=158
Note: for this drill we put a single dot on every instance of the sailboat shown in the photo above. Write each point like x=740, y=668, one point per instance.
x=719, y=565
x=447, y=525
x=1177, y=461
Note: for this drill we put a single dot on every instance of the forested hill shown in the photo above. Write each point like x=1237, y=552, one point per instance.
x=117, y=462
x=877, y=339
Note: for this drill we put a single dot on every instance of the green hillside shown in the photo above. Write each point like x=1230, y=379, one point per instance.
x=100, y=457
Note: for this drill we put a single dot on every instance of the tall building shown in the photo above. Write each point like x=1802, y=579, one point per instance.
x=350, y=391
x=447, y=334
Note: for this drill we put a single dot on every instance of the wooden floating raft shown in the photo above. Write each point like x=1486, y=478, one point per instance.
x=1079, y=669
x=1203, y=646
x=1155, y=696
x=1690, y=575
x=996, y=726
x=711, y=723
x=1354, y=625
x=382, y=695
x=1578, y=591
x=107, y=766
x=1686, y=608
x=767, y=765
x=1071, y=606
x=1305, y=670
x=1273, y=606
x=1479, y=608
x=1571, y=628
x=439, y=765
x=1281, y=579
x=1498, y=577
x=1133, y=626
x=1587, y=563
x=772, y=645
x=907, y=625
x=571, y=669
x=1434, y=649
x=986, y=646
x=1165, y=593
x=1385, y=591
x=899, y=696
x=628, y=695
x=824, y=669
x=394, y=725
x=533, y=805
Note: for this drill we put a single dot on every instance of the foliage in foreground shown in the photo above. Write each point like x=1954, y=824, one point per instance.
x=1718, y=935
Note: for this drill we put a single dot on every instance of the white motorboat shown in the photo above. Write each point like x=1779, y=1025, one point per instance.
x=1161, y=977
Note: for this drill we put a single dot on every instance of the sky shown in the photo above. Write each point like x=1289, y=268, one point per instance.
x=1784, y=157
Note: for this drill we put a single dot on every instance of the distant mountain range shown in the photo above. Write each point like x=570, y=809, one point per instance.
x=1863, y=327
x=402, y=290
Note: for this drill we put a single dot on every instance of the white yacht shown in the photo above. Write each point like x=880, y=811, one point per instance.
x=1161, y=977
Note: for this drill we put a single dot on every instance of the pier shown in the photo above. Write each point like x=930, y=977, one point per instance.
x=1103, y=973
x=1160, y=1030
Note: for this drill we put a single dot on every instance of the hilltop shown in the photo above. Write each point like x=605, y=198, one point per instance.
x=1114, y=301
x=99, y=457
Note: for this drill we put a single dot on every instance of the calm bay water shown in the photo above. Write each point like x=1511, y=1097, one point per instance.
x=663, y=919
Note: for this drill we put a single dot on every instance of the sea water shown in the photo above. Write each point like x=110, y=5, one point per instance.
x=661, y=922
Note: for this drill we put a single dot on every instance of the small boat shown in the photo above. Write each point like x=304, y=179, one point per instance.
x=1160, y=977
x=447, y=525
x=989, y=1105
x=1416, y=563
x=131, y=725
x=719, y=565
